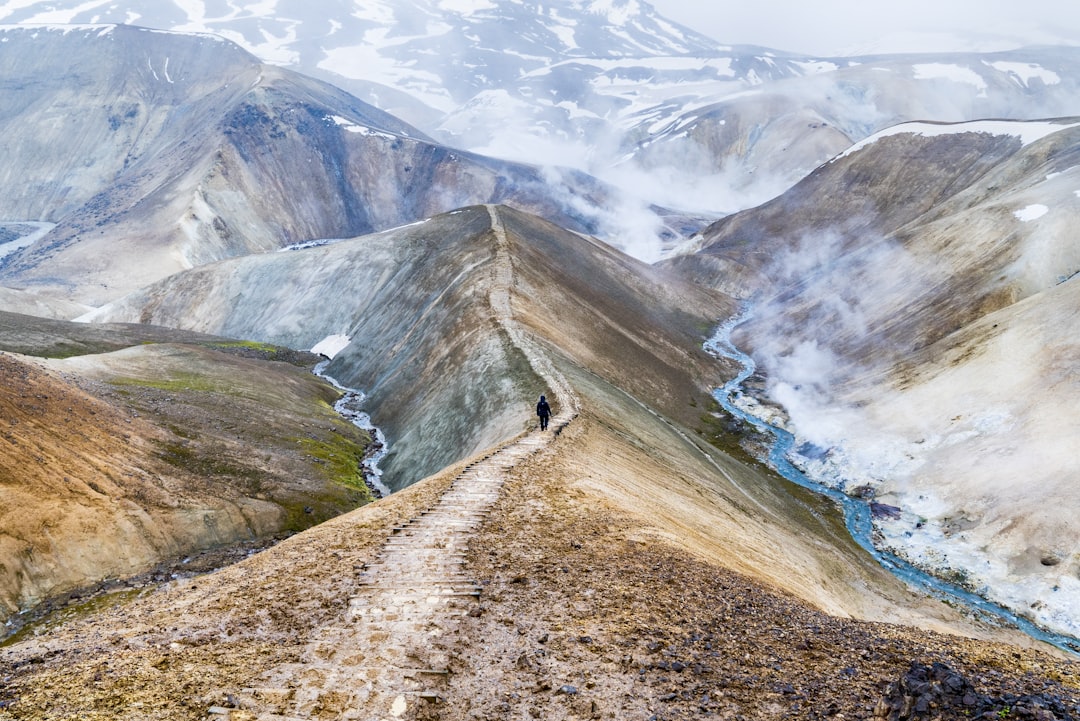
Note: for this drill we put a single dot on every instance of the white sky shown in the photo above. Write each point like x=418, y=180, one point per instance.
x=841, y=27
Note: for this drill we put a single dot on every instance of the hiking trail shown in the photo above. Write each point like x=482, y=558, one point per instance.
x=394, y=645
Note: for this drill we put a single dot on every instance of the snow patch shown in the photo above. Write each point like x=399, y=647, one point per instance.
x=331, y=345
x=38, y=230
x=947, y=71
x=352, y=127
x=465, y=7
x=566, y=36
x=1031, y=212
x=64, y=29
x=1028, y=132
x=1024, y=73
x=815, y=67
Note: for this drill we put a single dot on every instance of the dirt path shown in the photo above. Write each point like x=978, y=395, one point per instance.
x=394, y=646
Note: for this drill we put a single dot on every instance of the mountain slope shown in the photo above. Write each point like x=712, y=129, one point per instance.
x=619, y=567
x=414, y=300
x=493, y=305
x=911, y=312
x=445, y=380
x=203, y=154
x=122, y=449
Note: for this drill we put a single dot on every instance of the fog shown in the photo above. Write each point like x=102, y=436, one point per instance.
x=854, y=27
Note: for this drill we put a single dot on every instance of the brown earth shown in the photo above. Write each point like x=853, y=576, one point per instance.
x=590, y=608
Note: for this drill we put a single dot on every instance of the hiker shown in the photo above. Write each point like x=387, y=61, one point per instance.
x=544, y=411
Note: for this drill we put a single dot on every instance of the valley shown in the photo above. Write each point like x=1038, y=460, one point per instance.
x=241, y=266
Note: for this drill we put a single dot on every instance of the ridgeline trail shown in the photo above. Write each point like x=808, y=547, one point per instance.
x=394, y=645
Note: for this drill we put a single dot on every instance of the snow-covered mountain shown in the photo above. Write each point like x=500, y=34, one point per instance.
x=441, y=52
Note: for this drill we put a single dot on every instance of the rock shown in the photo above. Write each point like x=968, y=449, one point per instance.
x=938, y=691
x=567, y=690
x=883, y=510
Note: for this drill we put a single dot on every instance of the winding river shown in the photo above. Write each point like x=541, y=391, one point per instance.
x=857, y=515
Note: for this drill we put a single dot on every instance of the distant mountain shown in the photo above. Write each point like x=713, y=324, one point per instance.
x=733, y=129
x=153, y=152
x=912, y=310
x=674, y=119
x=440, y=52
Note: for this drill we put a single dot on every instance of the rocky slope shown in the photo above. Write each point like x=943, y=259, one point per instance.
x=911, y=306
x=124, y=448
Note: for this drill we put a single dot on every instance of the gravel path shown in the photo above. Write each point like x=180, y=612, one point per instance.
x=395, y=645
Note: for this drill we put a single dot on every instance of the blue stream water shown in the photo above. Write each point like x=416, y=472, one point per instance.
x=857, y=515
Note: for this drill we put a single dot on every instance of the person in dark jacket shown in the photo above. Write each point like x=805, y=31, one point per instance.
x=544, y=411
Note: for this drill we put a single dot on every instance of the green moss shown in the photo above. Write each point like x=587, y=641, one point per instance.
x=339, y=457
x=264, y=351
x=728, y=433
x=185, y=457
x=248, y=344
x=55, y=619
x=177, y=383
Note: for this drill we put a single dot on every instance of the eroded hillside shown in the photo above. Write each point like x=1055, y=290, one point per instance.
x=116, y=460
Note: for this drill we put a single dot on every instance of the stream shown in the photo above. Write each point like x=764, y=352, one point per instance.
x=857, y=513
x=349, y=407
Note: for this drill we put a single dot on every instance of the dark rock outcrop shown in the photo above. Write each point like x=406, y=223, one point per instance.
x=939, y=692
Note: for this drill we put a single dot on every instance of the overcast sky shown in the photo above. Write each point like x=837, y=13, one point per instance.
x=835, y=27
